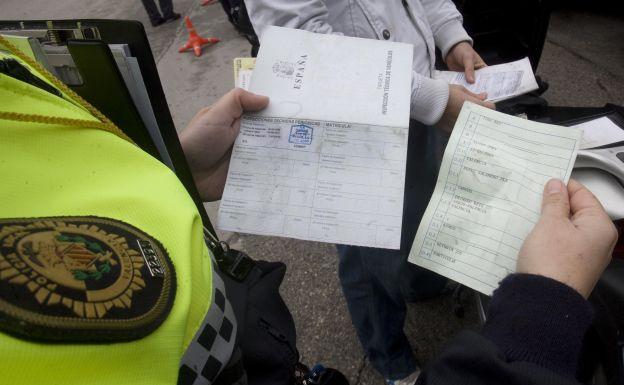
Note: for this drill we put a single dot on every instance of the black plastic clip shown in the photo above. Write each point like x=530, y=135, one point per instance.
x=236, y=264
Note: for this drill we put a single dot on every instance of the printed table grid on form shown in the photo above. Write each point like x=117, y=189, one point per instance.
x=496, y=85
x=317, y=180
x=490, y=199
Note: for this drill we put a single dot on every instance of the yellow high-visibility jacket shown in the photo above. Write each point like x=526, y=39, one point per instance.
x=105, y=277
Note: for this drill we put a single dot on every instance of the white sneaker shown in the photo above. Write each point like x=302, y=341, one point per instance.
x=409, y=380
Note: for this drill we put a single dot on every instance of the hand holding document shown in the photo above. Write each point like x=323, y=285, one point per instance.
x=488, y=194
x=500, y=82
x=325, y=160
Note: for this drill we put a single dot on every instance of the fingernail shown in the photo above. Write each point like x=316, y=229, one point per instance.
x=554, y=186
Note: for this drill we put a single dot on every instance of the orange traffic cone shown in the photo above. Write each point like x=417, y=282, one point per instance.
x=195, y=41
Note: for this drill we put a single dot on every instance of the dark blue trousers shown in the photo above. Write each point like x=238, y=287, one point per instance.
x=166, y=8
x=376, y=282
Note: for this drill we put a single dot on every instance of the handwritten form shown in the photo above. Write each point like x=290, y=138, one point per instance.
x=325, y=161
x=488, y=194
x=501, y=81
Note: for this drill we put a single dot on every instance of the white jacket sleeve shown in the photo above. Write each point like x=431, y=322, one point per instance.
x=309, y=15
x=446, y=24
x=429, y=98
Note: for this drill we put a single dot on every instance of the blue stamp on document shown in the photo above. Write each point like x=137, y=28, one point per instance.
x=300, y=134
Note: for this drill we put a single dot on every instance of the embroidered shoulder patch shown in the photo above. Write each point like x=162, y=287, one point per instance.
x=82, y=279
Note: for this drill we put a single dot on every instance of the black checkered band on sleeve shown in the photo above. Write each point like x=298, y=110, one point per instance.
x=212, y=346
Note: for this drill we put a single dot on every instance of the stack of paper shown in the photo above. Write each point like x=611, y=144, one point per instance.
x=500, y=82
x=326, y=159
x=131, y=73
x=488, y=194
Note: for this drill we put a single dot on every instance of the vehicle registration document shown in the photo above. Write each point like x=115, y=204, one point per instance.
x=488, y=194
x=500, y=81
x=325, y=161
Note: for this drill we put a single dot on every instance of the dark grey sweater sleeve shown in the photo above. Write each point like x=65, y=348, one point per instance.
x=533, y=335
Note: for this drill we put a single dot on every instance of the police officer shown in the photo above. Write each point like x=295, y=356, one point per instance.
x=105, y=276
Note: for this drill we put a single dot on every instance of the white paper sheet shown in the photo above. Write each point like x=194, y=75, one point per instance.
x=488, y=194
x=600, y=132
x=325, y=160
x=501, y=81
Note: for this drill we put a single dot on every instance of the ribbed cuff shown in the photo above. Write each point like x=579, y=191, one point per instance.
x=429, y=99
x=450, y=34
x=537, y=319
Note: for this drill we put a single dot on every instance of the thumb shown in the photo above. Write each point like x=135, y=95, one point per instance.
x=480, y=99
x=555, y=202
x=481, y=96
x=486, y=104
x=253, y=102
x=237, y=101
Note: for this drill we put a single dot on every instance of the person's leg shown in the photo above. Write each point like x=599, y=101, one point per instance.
x=374, y=281
x=152, y=11
x=425, y=152
x=377, y=309
x=166, y=7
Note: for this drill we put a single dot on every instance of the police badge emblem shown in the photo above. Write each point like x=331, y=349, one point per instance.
x=82, y=279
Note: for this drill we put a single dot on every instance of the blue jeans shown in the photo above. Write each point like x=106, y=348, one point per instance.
x=376, y=282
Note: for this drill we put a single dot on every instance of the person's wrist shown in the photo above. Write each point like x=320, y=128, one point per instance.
x=429, y=100
x=189, y=143
x=560, y=276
